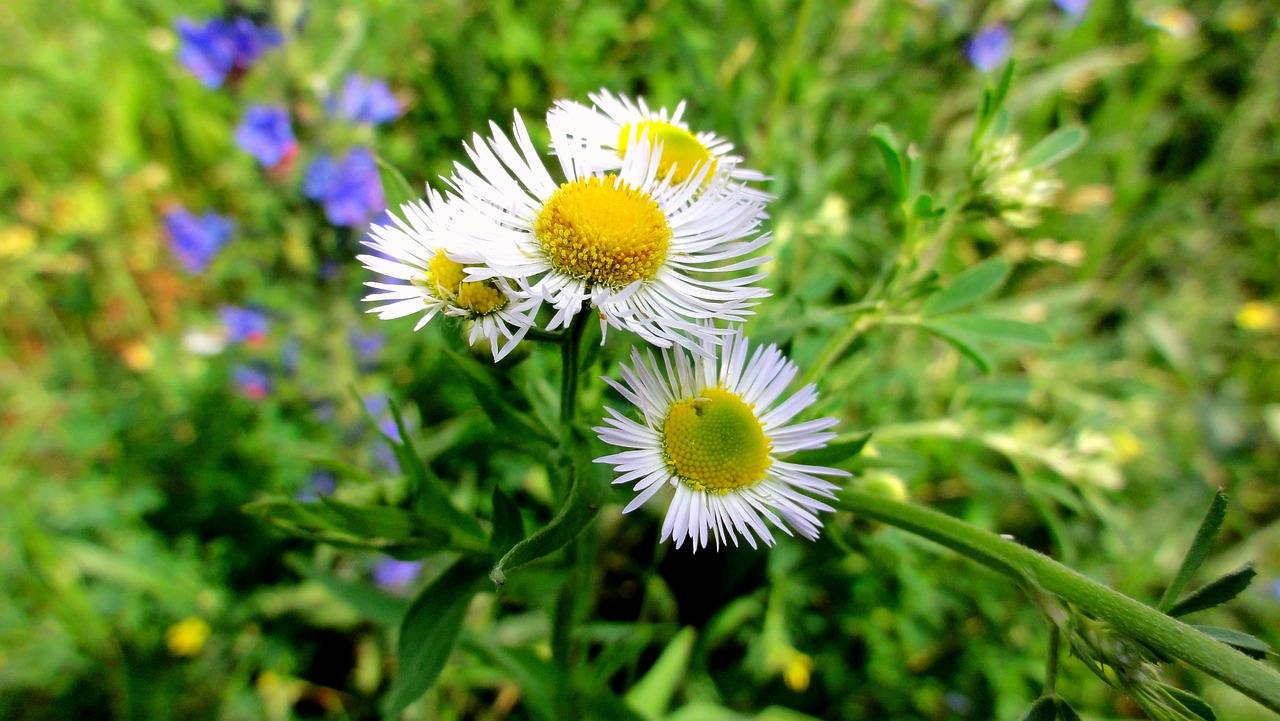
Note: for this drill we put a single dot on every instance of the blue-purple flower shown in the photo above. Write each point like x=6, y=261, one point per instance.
x=350, y=189
x=221, y=49
x=1074, y=8
x=391, y=574
x=266, y=134
x=990, y=47
x=320, y=483
x=196, y=239
x=243, y=325
x=367, y=345
x=252, y=382
x=365, y=100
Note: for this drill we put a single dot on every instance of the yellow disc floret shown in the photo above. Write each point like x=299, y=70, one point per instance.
x=715, y=442
x=445, y=279
x=603, y=231
x=681, y=149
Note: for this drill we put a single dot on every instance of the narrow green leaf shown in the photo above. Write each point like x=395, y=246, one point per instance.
x=975, y=283
x=1056, y=146
x=395, y=188
x=367, y=600
x=1065, y=712
x=960, y=344
x=1002, y=89
x=887, y=144
x=523, y=429
x=652, y=693
x=1044, y=709
x=429, y=630
x=540, y=681
x=705, y=711
x=372, y=521
x=508, y=524
x=838, y=450
x=1250, y=646
x=1198, y=551
x=915, y=173
x=1217, y=592
x=1190, y=702
x=585, y=496
x=999, y=330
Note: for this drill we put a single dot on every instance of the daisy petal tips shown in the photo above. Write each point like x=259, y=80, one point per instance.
x=712, y=429
x=653, y=256
x=419, y=249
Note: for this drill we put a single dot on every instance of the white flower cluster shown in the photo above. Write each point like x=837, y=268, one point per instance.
x=654, y=228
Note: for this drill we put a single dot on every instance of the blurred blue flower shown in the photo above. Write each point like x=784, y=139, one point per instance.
x=321, y=483
x=243, y=325
x=267, y=135
x=392, y=574
x=1074, y=8
x=367, y=345
x=990, y=47
x=1275, y=589
x=365, y=100
x=196, y=240
x=958, y=703
x=222, y=49
x=350, y=189
x=252, y=382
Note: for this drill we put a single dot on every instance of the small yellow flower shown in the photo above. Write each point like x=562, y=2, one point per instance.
x=798, y=670
x=187, y=637
x=1258, y=316
x=16, y=241
x=137, y=356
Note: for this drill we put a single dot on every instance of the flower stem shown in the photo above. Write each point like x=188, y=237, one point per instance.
x=570, y=358
x=1162, y=633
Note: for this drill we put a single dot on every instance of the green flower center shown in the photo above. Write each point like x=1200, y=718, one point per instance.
x=715, y=442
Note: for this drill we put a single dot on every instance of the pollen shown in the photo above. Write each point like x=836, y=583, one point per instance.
x=715, y=442
x=604, y=232
x=681, y=149
x=445, y=279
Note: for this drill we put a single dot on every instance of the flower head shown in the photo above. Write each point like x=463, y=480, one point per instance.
x=196, y=239
x=252, y=382
x=222, y=49
x=713, y=432
x=1074, y=8
x=350, y=188
x=243, y=325
x=266, y=134
x=602, y=134
x=990, y=47
x=653, y=256
x=418, y=248
x=393, y=574
x=365, y=100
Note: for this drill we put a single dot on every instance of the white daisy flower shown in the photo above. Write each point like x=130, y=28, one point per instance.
x=604, y=133
x=712, y=431
x=652, y=256
x=417, y=249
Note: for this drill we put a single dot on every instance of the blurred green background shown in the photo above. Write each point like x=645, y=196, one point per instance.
x=133, y=585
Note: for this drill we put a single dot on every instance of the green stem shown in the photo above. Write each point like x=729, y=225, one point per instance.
x=1164, y=634
x=570, y=358
x=1051, y=664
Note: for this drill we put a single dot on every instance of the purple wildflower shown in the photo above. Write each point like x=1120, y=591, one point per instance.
x=267, y=135
x=990, y=47
x=349, y=189
x=222, y=49
x=252, y=382
x=1074, y=8
x=367, y=345
x=321, y=483
x=196, y=240
x=365, y=100
x=244, y=325
x=391, y=574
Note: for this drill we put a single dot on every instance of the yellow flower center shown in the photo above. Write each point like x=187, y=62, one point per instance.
x=715, y=442
x=681, y=149
x=445, y=278
x=603, y=231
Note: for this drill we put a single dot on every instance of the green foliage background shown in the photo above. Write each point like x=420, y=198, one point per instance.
x=125, y=460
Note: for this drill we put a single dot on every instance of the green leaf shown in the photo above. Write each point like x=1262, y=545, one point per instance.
x=1056, y=146
x=540, y=681
x=508, y=524
x=961, y=344
x=888, y=146
x=372, y=521
x=1044, y=709
x=704, y=711
x=520, y=427
x=652, y=693
x=395, y=188
x=999, y=330
x=837, y=451
x=1250, y=646
x=1198, y=551
x=1190, y=702
x=976, y=282
x=429, y=630
x=1065, y=712
x=925, y=209
x=1217, y=592
x=586, y=494
x=367, y=600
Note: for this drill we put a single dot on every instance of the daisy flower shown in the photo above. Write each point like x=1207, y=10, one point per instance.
x=416, y=249
x=712, y=430
x=653, y=256
x=605, y=132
